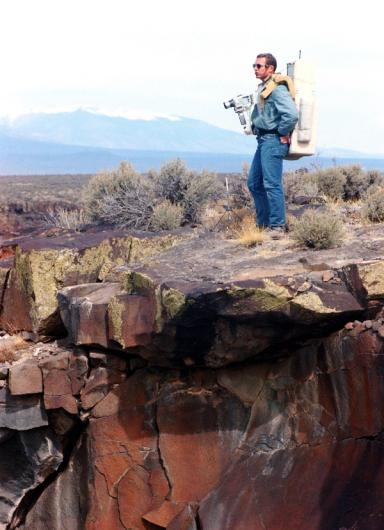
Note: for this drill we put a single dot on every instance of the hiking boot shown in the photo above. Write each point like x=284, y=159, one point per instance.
x=276, y=232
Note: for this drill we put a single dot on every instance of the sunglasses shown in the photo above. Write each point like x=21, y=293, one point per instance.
x=258, y=66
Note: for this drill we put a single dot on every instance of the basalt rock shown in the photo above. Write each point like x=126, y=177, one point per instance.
x=44, y=265
x=27, y=458
x=291, y=442
x=181, y=400
x=174, y=323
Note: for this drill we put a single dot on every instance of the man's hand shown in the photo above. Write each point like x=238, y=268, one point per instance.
x=285, y=139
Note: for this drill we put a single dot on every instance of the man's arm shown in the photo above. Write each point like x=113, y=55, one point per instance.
x=286, y=109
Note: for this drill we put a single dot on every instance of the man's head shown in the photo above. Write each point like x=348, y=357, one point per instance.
x=265, y=65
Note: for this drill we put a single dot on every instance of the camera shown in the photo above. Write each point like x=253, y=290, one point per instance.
x=243, y=106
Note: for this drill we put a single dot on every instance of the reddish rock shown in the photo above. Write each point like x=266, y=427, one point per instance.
x=77, y=371
x=108, y=360
x=98, y=384
x=56, y=382
x=83, y=309
x=101, y=314
x=358, y=328
x=129, y=480
x=66, y=402
x=180, y=442
x=185, y=520
x=108, y=406
x=328, y=275
x=25, y=378
x=134, y=487
x=131, y=320
x=164, y=515
x=240, y=445
x=63, y=376
x=7, y=252
x=59, y=361
x=332, y=490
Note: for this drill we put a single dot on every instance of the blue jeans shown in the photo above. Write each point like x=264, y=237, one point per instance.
x=265, y=181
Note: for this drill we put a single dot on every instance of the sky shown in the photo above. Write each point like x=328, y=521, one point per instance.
x=171, y=57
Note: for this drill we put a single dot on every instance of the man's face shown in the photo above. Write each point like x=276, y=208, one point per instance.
x=262, y=71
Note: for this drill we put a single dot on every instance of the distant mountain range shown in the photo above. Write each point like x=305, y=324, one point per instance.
x=84, y=128
x=86, y=142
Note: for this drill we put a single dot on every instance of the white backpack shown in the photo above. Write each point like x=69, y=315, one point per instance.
x=304, y=136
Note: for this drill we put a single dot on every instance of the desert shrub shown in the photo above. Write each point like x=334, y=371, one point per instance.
x=317, y=230
x=300, y=183
x=373, y=205
x=331, y=182
x=65, y=218
x=120, y=197
x=356, y=182
x=374, y=178
x=127, y=199
x=201, y=189
x=166, y=216
x=193, y=190
x=170, y=182
x=347, y=182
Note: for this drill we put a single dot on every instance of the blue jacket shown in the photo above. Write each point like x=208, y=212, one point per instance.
x=278, y=113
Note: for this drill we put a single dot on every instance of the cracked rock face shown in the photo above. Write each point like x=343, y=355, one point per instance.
x=294, y=442
x=198, y=404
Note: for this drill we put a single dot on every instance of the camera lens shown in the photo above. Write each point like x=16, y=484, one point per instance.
x=229, y=104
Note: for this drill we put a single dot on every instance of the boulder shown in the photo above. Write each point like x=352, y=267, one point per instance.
x=21, y=413
x=203, y=323
x=83, y=309
x=44, y=265
x=25, y=378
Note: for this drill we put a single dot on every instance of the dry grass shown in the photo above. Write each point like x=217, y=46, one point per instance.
x=9, y=346
x=212, y=217
x=247, y=233
x=64, y=218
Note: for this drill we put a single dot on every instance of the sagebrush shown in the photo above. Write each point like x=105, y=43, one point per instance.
x=191, y=189
x=345, y=183
x=127, y=199
x=166, y=216
x=122, y=198
x=318, y=230
x=373, y=206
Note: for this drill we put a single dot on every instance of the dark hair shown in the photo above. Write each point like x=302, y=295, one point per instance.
x=269, y=59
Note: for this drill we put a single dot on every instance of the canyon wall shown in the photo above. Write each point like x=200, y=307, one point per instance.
x=150, y=398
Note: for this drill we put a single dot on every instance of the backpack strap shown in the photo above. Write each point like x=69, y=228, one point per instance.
x=274, y=81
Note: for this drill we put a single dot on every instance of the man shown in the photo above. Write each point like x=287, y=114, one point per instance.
x=273, y=120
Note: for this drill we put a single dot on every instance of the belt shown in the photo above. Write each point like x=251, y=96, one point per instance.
x=261, y=132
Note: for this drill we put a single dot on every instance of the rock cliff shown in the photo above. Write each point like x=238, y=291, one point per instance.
x=180, y=382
